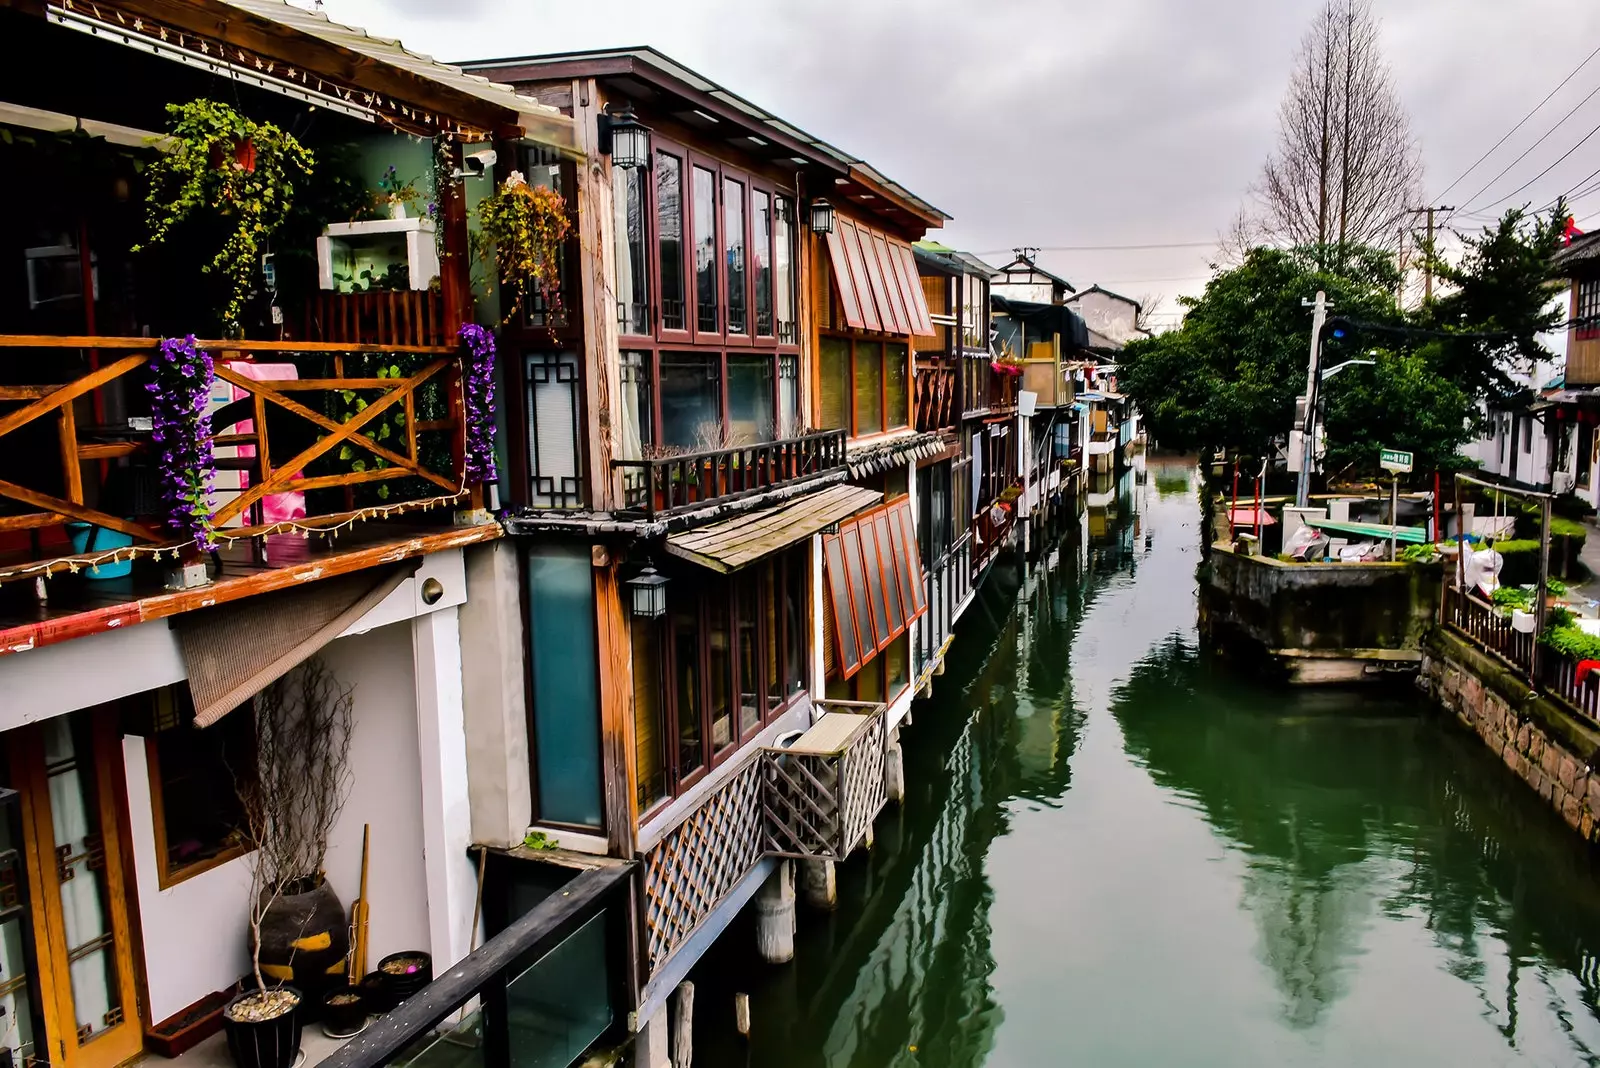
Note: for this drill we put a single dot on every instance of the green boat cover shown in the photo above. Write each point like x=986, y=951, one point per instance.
x=1375, y=531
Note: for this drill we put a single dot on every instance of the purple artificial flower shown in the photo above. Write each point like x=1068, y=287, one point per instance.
x=478, y=388
x=180, y=391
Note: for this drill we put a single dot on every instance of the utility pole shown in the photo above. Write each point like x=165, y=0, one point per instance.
x=1319, y=316
x=1427, y=262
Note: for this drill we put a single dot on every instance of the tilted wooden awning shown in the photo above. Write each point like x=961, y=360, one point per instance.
x=734, y=543
x=876, y=276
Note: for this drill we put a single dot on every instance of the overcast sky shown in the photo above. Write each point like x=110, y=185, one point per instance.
x=1068, y=123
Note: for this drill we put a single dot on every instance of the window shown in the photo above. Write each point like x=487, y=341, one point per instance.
x=669, y=238
x=761, y=258
x=691, y=400
x=788, y=396
x=544, y=169
x=632, y=268
x=638, y=423
x=555, y=468
x=728, y=658
x=975, y=313
x=783, y=275
x=861, y=393
x=1588, y=309
x=750, y=399
x=733, y=253
x=194, y=799
x=565, y=686
x=874, y=583
x=705, y=251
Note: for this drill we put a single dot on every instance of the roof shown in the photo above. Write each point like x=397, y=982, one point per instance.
x=1052, y=317
x=648, y=64
x=738, y=542
x=1022, y=263
x=1585, y=249
x=539, y=122
x=944, y=258
x=1103, y=291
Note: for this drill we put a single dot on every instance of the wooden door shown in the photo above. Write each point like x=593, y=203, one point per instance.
x=63, y=769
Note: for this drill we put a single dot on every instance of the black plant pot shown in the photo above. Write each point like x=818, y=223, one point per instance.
x=379, y=998
x=402, y=985
x=344, y=1011
x=273, y=1043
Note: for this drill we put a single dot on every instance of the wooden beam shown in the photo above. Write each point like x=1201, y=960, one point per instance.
x=68, y=393
x=69, y=510
x=619, y=773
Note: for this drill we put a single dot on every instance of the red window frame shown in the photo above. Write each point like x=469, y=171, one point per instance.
x=899, y=569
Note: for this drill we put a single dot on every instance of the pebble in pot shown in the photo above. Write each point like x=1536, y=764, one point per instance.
x=263, y=1028
x=406, y=973
x=344, y=1012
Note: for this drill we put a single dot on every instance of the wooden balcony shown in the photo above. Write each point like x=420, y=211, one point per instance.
x=305, y=436
x=383, y=317
x=673, y=484
x=949, y=584
x=937, y=392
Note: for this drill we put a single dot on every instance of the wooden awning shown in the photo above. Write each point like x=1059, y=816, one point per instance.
x=876, y=276
x=734, y=543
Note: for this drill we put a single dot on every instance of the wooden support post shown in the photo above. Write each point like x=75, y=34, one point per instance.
x=894, y=770
x=775, y=917
x=741, y=1013
x=819, y=884
x=683, y=1026
x=651, y=1047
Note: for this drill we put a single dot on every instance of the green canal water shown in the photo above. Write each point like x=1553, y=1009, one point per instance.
x=1115, y=852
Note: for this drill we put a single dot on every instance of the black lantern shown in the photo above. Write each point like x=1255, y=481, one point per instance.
x=648, y=593
x=625, y=140
x=821, y=217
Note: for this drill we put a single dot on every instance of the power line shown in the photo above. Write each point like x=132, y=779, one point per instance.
x=1490, y=183
x=1105, y=248
x=1547, y=170
x=1520, y=123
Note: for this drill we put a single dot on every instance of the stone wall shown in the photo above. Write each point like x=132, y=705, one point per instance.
x=1547, y=745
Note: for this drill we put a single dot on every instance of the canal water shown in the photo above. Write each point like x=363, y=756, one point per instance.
x=1115, y=852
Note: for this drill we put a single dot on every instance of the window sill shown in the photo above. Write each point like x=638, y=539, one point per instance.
x=167, y=878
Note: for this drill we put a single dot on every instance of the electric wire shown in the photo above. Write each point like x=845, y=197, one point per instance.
x=1559, y=160
x=1468, y=203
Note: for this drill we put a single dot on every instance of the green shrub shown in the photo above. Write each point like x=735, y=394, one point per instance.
x=1521, y=562
x=1572, y=643
x=1513, y=597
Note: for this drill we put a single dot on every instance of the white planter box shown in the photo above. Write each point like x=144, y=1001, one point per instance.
x=352, y=247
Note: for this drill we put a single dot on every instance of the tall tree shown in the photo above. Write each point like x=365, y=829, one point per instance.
x=1346, y=168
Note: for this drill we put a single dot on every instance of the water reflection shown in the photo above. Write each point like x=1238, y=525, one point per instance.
x=1114, y=853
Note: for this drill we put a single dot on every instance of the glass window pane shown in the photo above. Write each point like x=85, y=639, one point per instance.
x=566, y=702
x=873, y=565
x=691, y=400
x=772, y=631
x=788, y=396
x=844, y=284
x=869, y=387
x=637, y=413
x=752, y=690
x=865, y=291
x=888, y=547
x=733, y=239
x=761, y=258
x=749, y=399
x=705, y=250
x=669, y=230
x=554, y=470
x=649, y=713
x=833, y=356
x=631, y=266
x=881, y=268
x=839, y=595
x=866, y=621
x=783, y=271
x=897, y=390
x=685, y=615
x=897, y=665
x=555, y=1009
x=912, y=578
x=719, y=666
x=796, y=632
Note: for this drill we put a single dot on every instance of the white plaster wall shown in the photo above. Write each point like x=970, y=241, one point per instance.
x=195, y=934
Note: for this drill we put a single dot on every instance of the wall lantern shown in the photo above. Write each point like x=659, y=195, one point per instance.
x=821, y=217
x=625, y=140
x=648, y=593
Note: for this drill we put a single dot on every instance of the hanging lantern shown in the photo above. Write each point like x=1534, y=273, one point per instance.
x=630, y=141
x=821, y=217
x=648, y=593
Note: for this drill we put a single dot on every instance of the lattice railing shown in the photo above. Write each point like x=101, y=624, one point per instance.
x=700, y=861
x=820, y=804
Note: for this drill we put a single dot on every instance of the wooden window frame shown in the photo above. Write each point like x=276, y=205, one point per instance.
x=1586, y=308
x=166, y=875
x=883, y=341
x=897, y=529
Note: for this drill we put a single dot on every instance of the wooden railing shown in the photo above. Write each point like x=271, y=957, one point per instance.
x=406, y=317
x=1485, y=626
x=937, y=387
x=337, y=429
x=671, y=484
x=949, y=582
x=989, y=531
x=818, y=802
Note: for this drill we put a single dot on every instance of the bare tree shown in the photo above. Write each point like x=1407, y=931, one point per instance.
x=1346, y=167
x=1150, y=306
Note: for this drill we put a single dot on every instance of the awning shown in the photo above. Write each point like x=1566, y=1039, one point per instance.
x=734, y=543
x=1375, y=531
x=876, y=276
x=234, y=651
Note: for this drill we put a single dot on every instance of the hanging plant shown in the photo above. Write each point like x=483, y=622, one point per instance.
x=243, y=171
x=180, y=387
x=479, y=390
x=525, y=227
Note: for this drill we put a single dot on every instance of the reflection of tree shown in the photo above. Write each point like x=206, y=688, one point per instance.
x=1348, y=808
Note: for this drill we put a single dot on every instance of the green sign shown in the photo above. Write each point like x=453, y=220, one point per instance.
x=1394, y=460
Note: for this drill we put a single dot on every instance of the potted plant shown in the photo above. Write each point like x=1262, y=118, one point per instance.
x=291, y=799
x=344, y=1011
x=524, y=227
x=394, y=195
x=243, y=171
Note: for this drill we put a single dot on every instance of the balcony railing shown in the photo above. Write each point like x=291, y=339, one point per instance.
x=949, y=583
x=937, y=387
x=383, y=317
x=665, y=485
x=1486, y=626
x=306, y=433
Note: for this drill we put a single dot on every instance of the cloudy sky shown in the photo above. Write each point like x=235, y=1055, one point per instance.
x=1065, y=123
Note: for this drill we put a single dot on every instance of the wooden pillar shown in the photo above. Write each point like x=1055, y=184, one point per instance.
x=596, y=298
x=455, y=268
x=819, y=884
x=683, y=1026
x=617, y=769
x=894, y=770
x=775, y=916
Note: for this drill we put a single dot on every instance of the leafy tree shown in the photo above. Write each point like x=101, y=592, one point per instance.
x=1402, y=402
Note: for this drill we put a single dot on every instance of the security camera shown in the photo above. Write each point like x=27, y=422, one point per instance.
x=477, y=164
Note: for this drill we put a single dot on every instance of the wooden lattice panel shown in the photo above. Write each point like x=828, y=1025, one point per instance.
x=864, y=791
x=700, y=861
x=820, y=804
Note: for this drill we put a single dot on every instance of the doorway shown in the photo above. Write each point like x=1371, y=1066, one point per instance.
x=68, y=989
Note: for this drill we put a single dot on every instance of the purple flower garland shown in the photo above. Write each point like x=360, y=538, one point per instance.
x=179, y=392
x=479, y=390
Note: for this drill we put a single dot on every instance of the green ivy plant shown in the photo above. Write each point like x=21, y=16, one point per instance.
x=246, y=172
